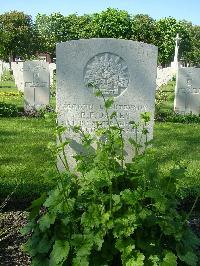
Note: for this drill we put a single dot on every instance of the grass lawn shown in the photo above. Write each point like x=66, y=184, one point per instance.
x=25, y=159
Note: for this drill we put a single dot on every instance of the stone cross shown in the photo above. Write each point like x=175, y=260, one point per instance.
x=177, y=40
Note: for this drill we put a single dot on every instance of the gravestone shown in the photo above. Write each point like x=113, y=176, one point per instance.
x=122, y=69
x=187, y=92
x=17, y=68
x=52, y=69
x=36, y=85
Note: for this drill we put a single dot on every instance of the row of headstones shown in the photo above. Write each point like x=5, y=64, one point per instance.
x=3, y=66
x=122, y=69
x=164, y=75
x=17, y=68
x=34, y=79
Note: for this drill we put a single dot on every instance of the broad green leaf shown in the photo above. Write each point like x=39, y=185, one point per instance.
x=60, y=252
x=137, y=261
x=46, y=221
x=170, y=259
x=109, y=103
x=40, y=261
x=189, y=258
x=44, y=244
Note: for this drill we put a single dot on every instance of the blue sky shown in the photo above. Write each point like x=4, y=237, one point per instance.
x=180, y=9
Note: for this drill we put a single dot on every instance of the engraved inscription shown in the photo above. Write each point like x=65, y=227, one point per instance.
x=87, y=116
x=108, y=72
x=189, y=90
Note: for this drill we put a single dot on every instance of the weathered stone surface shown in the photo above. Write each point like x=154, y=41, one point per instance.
x=187, y=92
x=36, y=84
x=52, y=69
x=122, y=69
x=17, y=68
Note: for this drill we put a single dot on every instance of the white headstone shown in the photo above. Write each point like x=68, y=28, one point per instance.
x=36, y=84
x=122, y=69
x=17, y=68
x=52, y=68
x=187, y=92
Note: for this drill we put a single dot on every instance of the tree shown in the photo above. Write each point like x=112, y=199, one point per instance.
x=16, y=35
x=51, y=30
x=166, y=30
x=112, y=23
x=143, y=28
x=193, y=55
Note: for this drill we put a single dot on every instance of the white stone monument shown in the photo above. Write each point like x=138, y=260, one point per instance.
x=122, y=69
x=187, y=92
x=52, y=68
x=36, y=85
x=17, y=68
x=175, y=63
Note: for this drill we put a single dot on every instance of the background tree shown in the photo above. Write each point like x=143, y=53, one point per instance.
x=143, y=28
x=17, y=36
x=111, y=23
x=79, y=27
x=51, y=30
x=193, y=55
x=166, y=30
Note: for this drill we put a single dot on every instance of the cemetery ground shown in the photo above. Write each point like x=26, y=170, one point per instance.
x=27, y=166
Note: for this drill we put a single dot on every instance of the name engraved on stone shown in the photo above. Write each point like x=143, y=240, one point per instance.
x=108, y=72
x=189, y=90
x=87, y=116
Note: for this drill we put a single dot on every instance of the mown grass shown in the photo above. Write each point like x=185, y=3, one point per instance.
x=26, y=160
x=175, y=144
x=168, y=90
x=24, y=156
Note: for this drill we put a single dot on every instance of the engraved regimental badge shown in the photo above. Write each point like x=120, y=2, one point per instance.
x=108, y=72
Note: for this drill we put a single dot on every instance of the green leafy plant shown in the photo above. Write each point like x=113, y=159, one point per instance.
x=7, y=76
x=8, y=110
x=171, y=116
x=107, y=211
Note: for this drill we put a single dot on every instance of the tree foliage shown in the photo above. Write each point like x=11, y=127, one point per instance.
x=20, y=36
x=17, y=36
x=143, y=28
x=166, y=31
x=51, y=30
x=111, y=23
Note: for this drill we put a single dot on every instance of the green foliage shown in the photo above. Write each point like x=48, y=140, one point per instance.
x=20, y=36
x=111, y=23
x=51, y=30
x=166, y=30
x=7, y=76
x=193, y=56
x=8, y=110
x=108, y=212
x=143, y=28
x=171, y=116
x=17, y=36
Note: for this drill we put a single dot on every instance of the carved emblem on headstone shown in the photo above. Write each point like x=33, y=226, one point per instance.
x=108, y=72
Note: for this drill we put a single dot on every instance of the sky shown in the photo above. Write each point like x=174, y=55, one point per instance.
x=179, y=9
